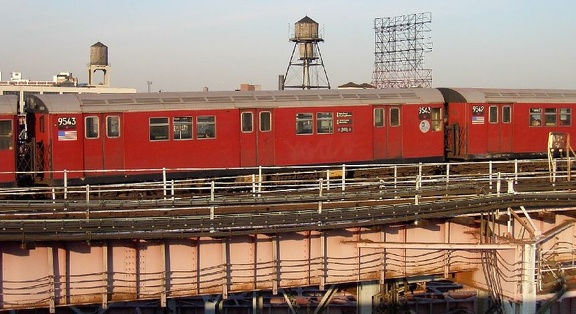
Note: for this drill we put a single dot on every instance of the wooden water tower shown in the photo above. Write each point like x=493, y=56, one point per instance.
x=306, y=68
x=99, y=62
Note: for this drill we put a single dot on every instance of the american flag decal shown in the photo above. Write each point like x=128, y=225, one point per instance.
x=67, y=135
x=477, y=119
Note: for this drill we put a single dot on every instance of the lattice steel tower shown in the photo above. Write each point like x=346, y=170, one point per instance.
x=401, y=42
x=306, y=71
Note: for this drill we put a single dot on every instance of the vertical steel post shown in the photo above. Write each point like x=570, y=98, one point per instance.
x=164, y=183
x=529, y=279
x=65, y=184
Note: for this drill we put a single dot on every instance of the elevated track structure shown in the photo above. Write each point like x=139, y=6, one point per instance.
x=316, y=239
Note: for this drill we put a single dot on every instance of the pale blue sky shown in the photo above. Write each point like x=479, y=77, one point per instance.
x=186, y=45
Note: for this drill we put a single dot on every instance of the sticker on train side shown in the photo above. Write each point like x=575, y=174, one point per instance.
x=67, y=129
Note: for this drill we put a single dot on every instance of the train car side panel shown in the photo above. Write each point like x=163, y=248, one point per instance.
x=423, y=131
x=185, y=139
x=467, y=134
x=58, y=146
x=535, y=121
x=476, y=130
x=329, y=134
x=65, y=145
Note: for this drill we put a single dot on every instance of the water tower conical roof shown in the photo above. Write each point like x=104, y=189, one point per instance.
x=307, y=19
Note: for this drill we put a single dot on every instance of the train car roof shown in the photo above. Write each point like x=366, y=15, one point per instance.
x=492, y=95
x=8, y=104
x=229, y=100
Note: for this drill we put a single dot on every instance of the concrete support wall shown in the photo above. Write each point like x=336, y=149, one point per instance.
x=49, y=275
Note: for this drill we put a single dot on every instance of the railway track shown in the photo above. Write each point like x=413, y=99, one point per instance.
x=364, y=203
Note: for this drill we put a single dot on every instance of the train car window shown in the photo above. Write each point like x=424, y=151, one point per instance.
x=506, y=114
x=6, y=141
x=113, y=126
x=265, y=121
x=206, y=127
x=91, y=127
x=565, y=117
x=159, y=129
x=324, y=122
x=535, y=117
x=436, y=116
x=550, y=117
x=379, y=117
x=182, y=128
x=304, y=123
x=493, y=114
x=246, y=119
x=394, y=116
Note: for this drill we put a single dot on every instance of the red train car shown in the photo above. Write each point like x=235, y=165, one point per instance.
x=8, y=137
x=510, y=123
x=126, y=132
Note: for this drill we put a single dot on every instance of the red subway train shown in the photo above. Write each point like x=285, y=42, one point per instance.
x=89, y=135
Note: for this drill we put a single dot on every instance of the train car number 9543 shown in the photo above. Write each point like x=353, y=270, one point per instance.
x=66, y=121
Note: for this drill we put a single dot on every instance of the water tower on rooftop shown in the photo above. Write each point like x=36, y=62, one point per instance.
x=306, y=68
x=99, y=62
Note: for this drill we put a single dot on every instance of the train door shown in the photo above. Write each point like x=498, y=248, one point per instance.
x=394, y=132
x=387, y=132
x=256, y=138
x=380, y=133
x=103, y=142
x=499, y=133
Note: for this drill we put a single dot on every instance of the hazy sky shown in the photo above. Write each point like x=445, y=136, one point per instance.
x=186, y=45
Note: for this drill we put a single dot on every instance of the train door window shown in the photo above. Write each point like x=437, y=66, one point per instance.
x=535, y=117
x=246, y=119
x=206, y=126
x=565, y=117
x=159, y=129
x=91, y=126
x=394, y=116
x=113, y=126
x=6, y=135
x=42, y=124
x=304, y=123
x=506, y=114
x=550, y=117
x=182, y=127
x=265, y=121
x=379, y=117
x=436, y=116
x=493, y=114
x=324, y=122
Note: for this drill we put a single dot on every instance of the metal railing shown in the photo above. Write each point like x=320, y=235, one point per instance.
x=494, y=177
